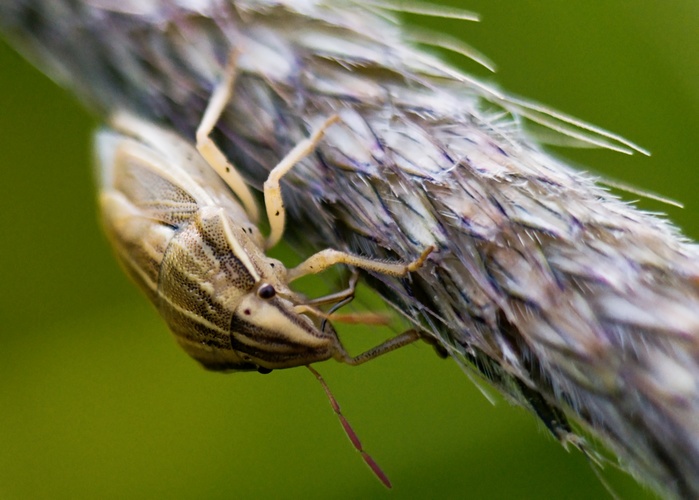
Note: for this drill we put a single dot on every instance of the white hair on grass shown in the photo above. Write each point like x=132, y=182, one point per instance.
x=572, y=303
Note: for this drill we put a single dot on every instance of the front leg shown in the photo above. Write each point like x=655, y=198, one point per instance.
x=339, y=298
x=390, y=345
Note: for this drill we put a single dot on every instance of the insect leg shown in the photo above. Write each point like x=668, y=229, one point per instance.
x=272, y=190
x=326, y=258
x=344, y=296
x=211, y=153
x=390, y=345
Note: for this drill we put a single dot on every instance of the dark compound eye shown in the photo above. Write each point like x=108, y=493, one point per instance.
x=263, y=371
x=266, y=292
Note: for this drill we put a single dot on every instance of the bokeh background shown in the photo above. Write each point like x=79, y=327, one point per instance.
x=97, y=401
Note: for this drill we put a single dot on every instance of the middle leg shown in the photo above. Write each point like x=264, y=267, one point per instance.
x=327, y=258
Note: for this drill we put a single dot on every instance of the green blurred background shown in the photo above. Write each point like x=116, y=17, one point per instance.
x=97, y=401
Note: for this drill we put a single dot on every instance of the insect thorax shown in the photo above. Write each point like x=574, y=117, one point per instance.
x=210, y=295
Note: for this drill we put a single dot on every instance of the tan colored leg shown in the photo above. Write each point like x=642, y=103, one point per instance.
x=276, y=213
x=327, y=258
x=390, y=345
x=336, y=297
x=211, y=153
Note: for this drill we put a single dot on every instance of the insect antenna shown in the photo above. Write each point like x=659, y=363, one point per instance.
x=350, y=432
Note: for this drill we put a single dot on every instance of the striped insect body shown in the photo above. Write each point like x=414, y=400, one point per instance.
x=184, y=225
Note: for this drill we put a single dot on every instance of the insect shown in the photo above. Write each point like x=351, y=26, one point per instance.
x=195, y=249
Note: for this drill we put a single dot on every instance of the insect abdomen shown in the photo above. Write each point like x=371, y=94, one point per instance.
x=140, y=242
x=176, y=241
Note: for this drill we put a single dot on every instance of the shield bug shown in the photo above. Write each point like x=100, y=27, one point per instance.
x=184, y=225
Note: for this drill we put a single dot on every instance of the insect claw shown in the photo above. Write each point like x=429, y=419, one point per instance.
x=418, y=263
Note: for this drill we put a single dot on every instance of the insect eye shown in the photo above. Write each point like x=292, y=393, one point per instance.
x=263, y=371
x=266, y=292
